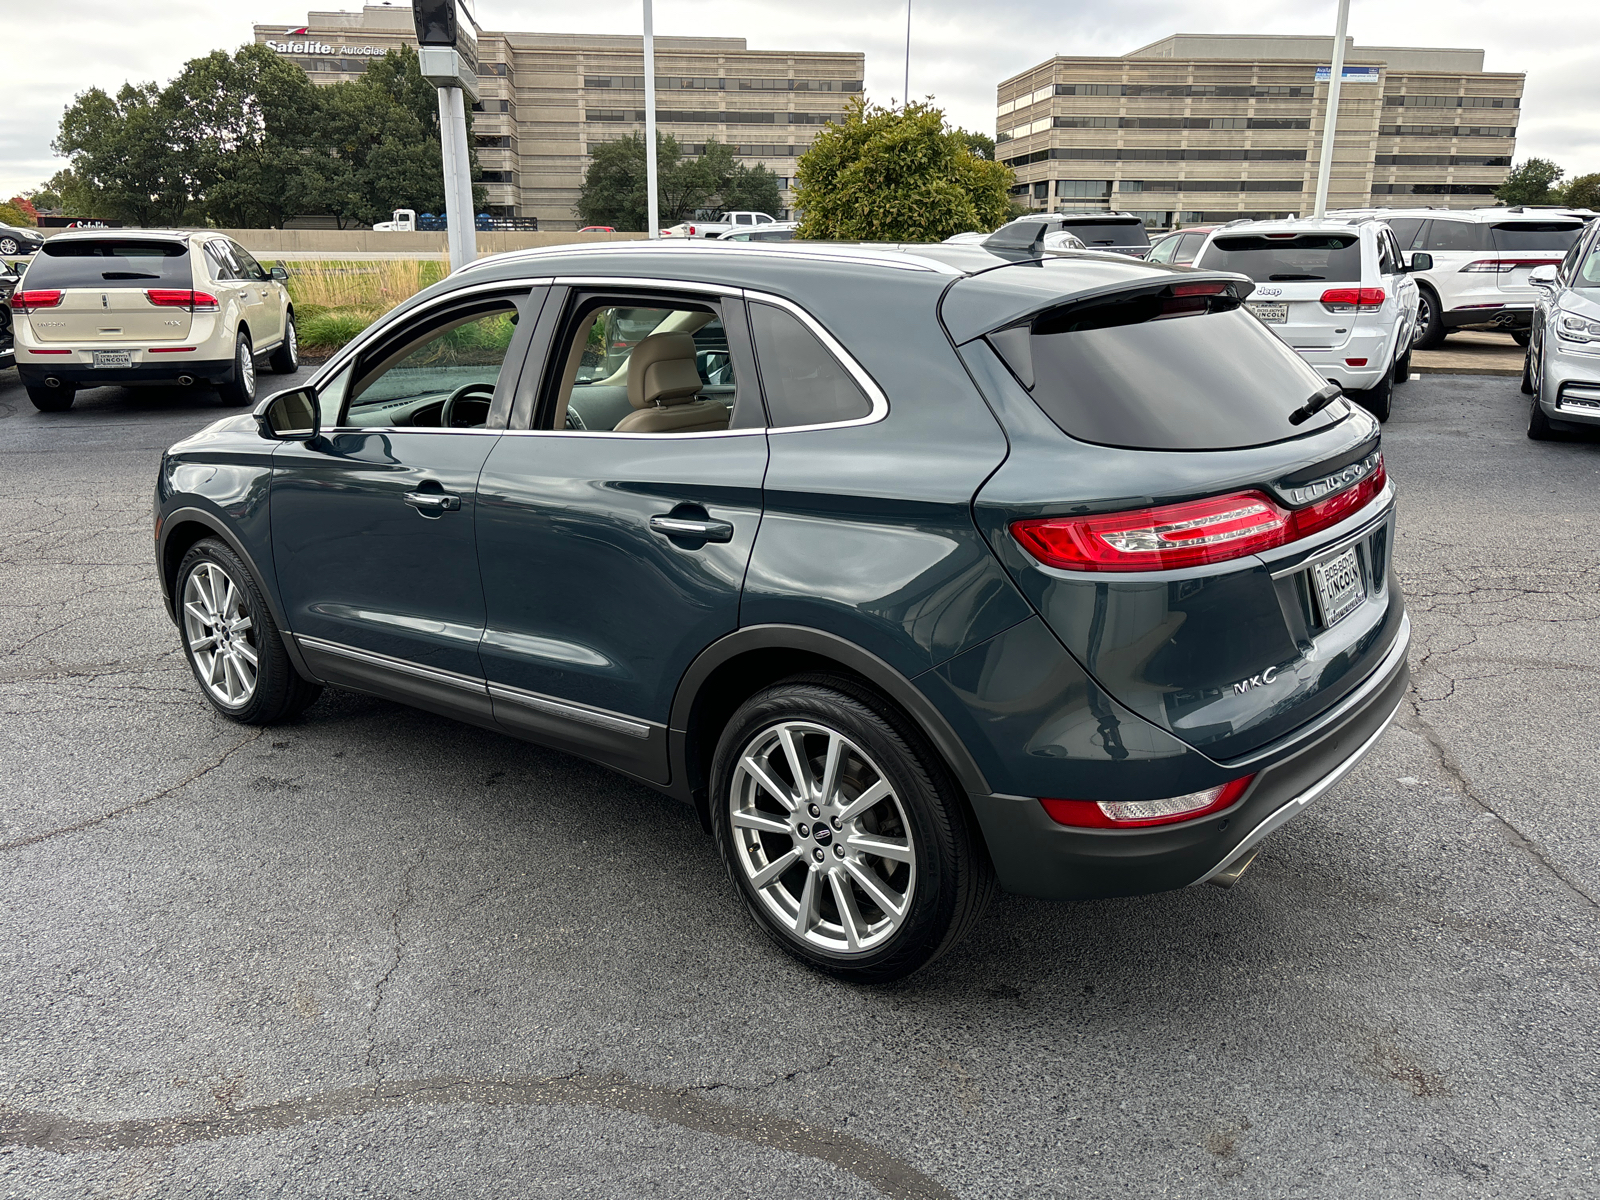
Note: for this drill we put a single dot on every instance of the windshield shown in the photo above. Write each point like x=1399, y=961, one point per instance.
x=111, y=264
x=1286, y=258
x=1556, y=236
x=1109, y=233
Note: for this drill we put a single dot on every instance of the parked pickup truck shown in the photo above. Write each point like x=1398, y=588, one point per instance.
x=718, y=225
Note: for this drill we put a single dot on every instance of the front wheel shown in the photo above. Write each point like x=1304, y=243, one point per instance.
x=846, y=840
x=285, y=359
x=241, y=389
x=231, y=641
x=1429, y=321
x=8, y=246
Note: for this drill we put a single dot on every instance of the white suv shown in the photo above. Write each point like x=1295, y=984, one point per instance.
x=1337, y=291
x=1481, y=259
x=99, y=307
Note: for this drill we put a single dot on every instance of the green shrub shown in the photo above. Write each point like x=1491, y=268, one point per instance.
x=329, y=329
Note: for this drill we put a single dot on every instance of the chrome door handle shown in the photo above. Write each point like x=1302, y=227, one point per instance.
x=432, y=503
x=700, y=529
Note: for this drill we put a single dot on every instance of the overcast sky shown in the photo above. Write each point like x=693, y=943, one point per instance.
x=959, y=50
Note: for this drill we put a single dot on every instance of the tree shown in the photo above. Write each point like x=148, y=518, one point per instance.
x=751, y=189
x=1530, y=183
x=123, y=155
x=897, y=174
x=1582, y=192
x=980, y=144
x=614, y=187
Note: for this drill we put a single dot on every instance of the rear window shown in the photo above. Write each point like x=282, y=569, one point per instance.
x=1219, y=380
x=1555, y=236
x=1109, y=233
x=1268, y=258
x=111, y=264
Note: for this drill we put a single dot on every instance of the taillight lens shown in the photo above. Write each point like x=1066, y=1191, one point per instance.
x=182, y=298
x=27, y=301
x=1500, y=266
x=1352, y=299
x=1190, y=534
x=1132, y=814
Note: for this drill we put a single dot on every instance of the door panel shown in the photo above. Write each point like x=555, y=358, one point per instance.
x=591, y=607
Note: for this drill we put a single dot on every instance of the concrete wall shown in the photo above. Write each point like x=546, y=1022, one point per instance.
x=333, y=242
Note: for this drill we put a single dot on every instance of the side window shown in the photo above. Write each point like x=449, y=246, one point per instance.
x=1188, y=248
x=1450, y=236
x=223, y=270
x=443, y=376
x=251, y=268
x=628, y=368
x=1163, y=251
x=1407, y=231
x=1388, y=260
x=804, y=383
x=743, y=219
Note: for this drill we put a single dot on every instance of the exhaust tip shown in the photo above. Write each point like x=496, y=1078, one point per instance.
x=186, y=380
x=1226, y=879
x=52, y=381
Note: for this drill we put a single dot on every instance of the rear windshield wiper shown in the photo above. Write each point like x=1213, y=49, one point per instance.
x=127, y=275
x=1291, y=278
x=1315, y=405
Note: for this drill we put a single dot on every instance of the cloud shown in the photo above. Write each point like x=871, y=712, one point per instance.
x=959, y=51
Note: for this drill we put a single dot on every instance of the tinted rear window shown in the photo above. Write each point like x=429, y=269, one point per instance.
x=1109, y=233
x=111, y=264
x=1214, y=381
x=1555, y=236
x=1312, y=257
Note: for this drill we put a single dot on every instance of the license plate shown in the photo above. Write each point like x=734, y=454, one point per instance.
x=113, y=358
x=1340, y=588
x=1270, y=314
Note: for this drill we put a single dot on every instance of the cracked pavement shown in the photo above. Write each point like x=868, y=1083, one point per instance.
x=376, y=953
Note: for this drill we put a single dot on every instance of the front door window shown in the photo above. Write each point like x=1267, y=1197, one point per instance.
x=444, y=377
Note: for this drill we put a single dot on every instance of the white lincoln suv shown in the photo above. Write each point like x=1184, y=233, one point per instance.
x=128, y=307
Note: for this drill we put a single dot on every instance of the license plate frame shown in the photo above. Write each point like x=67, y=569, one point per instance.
x=1340, y=586
x=1270, y=314
x=113, y=358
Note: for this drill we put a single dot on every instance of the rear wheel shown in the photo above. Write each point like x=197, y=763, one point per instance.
x=1402, y=367
x=52, y=399
x=285, y=359
x=1377, y=399
x=1527, y=373
x=231, y=641
x=847, y=841
x=241, y=389
x=1521, y=336
x=1429, y=320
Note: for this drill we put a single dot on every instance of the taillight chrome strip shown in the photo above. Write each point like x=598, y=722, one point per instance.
x=1310, y=547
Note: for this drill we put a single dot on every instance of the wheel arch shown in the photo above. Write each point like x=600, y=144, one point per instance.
x=732, y=669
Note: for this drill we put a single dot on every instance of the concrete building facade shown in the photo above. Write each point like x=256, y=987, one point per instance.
x=548, y=97
x=1201, y=128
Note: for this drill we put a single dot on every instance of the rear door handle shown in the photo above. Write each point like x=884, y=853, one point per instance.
x=433, y=503
x=699, y=529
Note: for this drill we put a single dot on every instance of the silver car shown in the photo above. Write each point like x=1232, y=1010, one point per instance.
x=1562, y=369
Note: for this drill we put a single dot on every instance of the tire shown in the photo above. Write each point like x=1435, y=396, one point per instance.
x=867, y=918
x=1527, y=373
x=1539, y=427
x=52, y=399
x=9, y=246
x=1402, y=367
x=1521, y=336
x=285, y=359
x=1379, y=398
x=223, y=621
x=1429, y=320
x=241, y=389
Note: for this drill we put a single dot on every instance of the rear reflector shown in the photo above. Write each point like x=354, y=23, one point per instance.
x=47, y=351
x=1352, y=299
x=171, y=349
x=1355, y=362
x=26, y=301
x=182, y=298
x=1190, y=534
x=1132, y=814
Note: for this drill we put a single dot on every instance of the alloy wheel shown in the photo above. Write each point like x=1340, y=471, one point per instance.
x=292, y=339
x=822, y=838
x=1424, y=317
x=247, y=368
x=221, y=634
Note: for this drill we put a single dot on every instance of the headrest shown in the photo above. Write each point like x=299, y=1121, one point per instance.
x=661, y=370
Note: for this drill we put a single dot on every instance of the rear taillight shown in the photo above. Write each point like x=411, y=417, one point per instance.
x=28, y=301
x=182, y=298
x=1131, y=814
x=1190, y=534
x=1499, y=266
x=1352, y=299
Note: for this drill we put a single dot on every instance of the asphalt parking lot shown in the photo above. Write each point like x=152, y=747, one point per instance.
x=376, y=953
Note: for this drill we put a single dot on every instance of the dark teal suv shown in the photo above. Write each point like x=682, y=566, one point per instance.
x=915, y=571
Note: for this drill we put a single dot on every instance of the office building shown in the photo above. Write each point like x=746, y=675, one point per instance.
x=548, y=97
x=1201, y=128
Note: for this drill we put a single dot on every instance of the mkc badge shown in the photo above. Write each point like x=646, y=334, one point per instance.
x=1255, y=681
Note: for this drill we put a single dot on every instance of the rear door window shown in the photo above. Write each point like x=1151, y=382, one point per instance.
x=1119, y=373
x=1286, y=258
x=111, y=264
x=1455, y=237
x=1555, y=237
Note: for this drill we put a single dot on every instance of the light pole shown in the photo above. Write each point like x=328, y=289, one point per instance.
x=1330, y=120
x=652, y=197
x=441, y=64
x=905, y=89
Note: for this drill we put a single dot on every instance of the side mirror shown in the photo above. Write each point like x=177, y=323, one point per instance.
x=1421, y=261
x=290, y=416
x=1543, y=278
x=281, y=274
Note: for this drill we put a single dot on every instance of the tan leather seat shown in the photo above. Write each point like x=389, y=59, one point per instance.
x=662, y=385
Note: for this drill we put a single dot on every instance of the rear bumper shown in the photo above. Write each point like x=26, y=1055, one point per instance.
x=38, y=373
x=1513, y=314
x=1034, y=856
